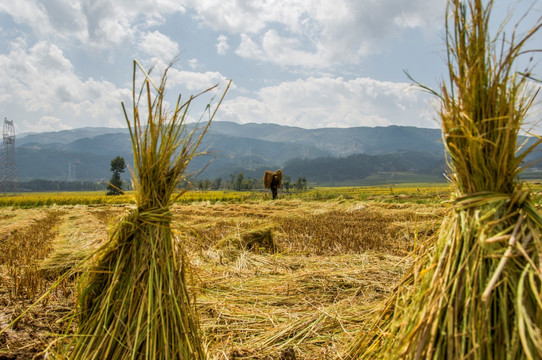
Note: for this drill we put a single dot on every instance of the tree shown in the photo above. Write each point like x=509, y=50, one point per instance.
x=301, y=184
x=204, y=184
x=115, y=184
x=216, y=183
x=239, y=182
x=286, y=182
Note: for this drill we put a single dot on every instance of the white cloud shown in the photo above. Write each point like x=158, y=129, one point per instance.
x=233, y=16
x=195, y=81
x=286, y=51
x=193, y=63
x=98, y=23
x=333, y=102
x=248, y=48
x=222, y=45
x=314, y=33
x=159, y=47
x=39, y=82
x=28, y=12
x=48, y=123
x=318, y=33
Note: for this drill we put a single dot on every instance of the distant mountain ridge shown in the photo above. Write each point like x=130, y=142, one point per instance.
x=335, y=141
x=342, y=141
x=65, y=136
x=84, y=154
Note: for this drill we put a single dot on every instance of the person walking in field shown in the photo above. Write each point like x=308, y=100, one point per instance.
x=274, y=186
x=273, y=181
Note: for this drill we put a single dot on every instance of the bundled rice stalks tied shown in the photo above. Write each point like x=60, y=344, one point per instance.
x=268, y=177
x=477, y=292
x=134, y=302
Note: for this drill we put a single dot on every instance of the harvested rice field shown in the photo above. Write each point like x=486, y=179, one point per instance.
x=285, y=279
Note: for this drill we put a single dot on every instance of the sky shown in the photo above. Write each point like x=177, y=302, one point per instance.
x=68, y=64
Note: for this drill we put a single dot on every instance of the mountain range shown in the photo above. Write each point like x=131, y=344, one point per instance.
x=323, y=156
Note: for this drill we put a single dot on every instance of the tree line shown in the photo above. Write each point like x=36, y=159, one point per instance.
x=61, y=185
x=116, y=186
x=360, y=166
x=241, y=183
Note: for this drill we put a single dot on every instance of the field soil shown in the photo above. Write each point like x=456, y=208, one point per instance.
x=285, y=279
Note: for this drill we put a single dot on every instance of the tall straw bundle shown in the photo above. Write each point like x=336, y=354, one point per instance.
x=477, y=292
x=134, y=302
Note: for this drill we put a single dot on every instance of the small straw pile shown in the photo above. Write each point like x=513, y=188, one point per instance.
x=477, y=292
x=134, y=302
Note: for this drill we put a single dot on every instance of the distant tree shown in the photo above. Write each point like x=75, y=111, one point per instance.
x=115, y=184
x=286, y=183
x=239, y=182
x=248, y=184
x=204, y=184
x=47, y=185
x=216, y=183
x=301, y=184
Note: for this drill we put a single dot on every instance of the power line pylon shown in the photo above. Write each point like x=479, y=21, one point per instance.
x=9, y=181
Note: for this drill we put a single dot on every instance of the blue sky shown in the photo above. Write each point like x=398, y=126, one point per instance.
x=309, y=63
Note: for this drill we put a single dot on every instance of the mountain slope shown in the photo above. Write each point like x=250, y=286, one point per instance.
x=65, y=136
x=341, y=141
x=85, y=154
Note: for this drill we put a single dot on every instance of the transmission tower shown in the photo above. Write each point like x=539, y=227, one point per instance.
x=71, y=171
x=9, y=181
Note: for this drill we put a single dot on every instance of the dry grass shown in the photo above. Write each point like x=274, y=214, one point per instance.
x=82, y=228
x=258, y=304
x=28, y=238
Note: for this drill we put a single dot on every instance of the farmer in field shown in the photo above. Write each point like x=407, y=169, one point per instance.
x=273, y=181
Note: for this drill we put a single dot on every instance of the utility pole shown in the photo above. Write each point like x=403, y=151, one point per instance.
x=9, y=181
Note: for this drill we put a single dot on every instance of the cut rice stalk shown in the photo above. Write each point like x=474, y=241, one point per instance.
x=134, y=302
x=467, y=298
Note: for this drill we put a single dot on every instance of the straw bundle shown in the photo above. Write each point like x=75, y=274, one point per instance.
x=134, y=302
x=477, y=292
x=268, y=176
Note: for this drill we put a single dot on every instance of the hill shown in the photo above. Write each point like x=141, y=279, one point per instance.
x=323, y=156
x=85, y=153
x=358, y=168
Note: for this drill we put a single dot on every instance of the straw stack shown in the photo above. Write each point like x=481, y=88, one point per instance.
x=134, y=302
x=268, y=177
x=475, y=293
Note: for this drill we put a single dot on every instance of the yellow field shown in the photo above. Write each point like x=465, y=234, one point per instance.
x=428, y=192
x=99, y=198
x=302, y=274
